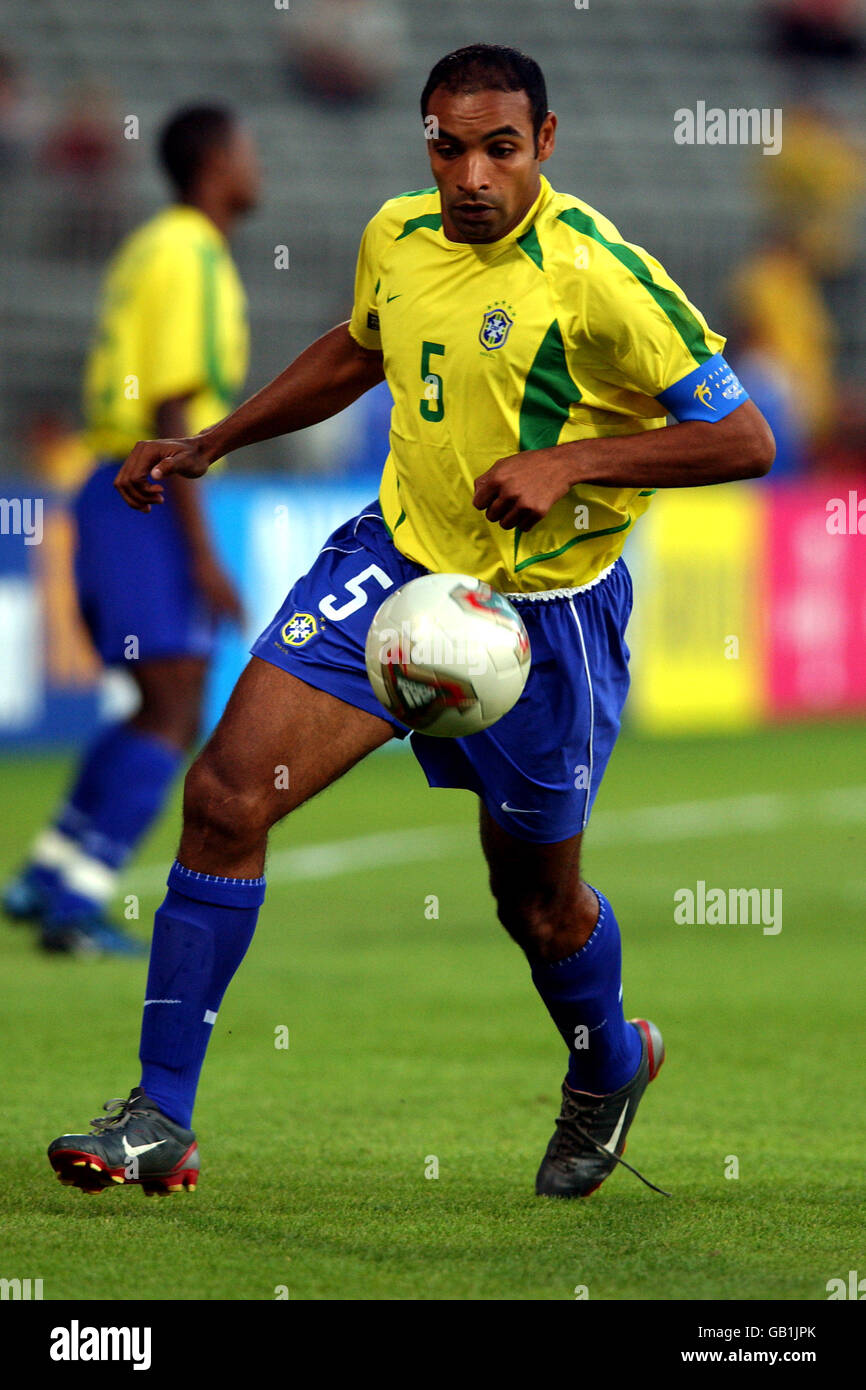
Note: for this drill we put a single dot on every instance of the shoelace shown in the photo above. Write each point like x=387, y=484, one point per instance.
x=563, y=1121
x=119, y=1112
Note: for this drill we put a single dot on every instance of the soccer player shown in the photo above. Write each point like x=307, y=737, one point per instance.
x=533, y=357
x=169, y=356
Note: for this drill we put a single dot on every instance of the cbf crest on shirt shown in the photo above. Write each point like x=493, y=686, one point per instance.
x=559, y=331
x=494, y=328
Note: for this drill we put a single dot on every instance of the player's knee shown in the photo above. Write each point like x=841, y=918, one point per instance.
x=171, y=707
x=178, y=726
x=220, y=807
x=186, y=724
x=539, y=921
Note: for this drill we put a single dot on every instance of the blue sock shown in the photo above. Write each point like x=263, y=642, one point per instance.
x=200, y=936
x=120, y=788
x=43, y=878
x=583, y=995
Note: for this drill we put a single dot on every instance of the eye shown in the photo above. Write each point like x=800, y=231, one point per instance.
x=501, y=151
x=445, y=151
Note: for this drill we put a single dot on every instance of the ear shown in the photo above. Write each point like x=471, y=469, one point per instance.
x=546, y=137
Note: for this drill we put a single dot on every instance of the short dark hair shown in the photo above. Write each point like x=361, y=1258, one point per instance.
x=188, y=137
x=484, y=66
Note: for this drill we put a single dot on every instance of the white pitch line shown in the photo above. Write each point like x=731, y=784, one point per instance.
x=678, y=820
x=336, y=857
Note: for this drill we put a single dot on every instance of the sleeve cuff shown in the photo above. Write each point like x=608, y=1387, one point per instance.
x=366, y=331
x=710, y=392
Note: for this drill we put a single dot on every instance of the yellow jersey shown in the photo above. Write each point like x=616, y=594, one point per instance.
x=172, y=322
x=559, y=331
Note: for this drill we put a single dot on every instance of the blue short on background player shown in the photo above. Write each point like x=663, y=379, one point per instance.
x=133, y=576
x=537, y=769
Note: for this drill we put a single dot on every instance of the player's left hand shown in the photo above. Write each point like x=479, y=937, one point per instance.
x=521, y=489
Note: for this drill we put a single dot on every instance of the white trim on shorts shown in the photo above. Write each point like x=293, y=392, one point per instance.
x=545, y=594
x=373, y=515
x=586, y=803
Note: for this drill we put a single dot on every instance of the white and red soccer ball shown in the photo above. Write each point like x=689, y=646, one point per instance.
x=447, y=655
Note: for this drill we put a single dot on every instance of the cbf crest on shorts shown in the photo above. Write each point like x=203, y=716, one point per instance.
x=495, y=328
x=299, y=629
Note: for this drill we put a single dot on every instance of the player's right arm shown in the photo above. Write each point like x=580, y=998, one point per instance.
x=326, y=377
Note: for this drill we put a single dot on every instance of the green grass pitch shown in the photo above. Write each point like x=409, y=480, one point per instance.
x=414, y=1037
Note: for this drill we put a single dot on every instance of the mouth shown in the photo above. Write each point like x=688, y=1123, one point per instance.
x=474, y=212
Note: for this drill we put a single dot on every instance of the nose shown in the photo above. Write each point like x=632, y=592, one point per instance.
x=473, y=174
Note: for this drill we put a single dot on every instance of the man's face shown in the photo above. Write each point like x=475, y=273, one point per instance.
x=484, y=160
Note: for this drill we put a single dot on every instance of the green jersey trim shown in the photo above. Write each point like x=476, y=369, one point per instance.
x=683, y=320
x=548, y=394
x=213, y=367
x=401, y=517
x=426, y=219
x=552, y=554
x=416, y=192
x=532, y=246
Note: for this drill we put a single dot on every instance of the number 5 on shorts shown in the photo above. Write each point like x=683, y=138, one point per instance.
x=355, y=585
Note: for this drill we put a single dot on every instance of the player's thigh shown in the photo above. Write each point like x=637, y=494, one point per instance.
x=280, y=741
x=133, y=580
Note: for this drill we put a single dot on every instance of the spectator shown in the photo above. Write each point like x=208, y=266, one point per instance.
x=786, y=334
x=86, y=154
x=345, y=52
x=816, y=30
x=813, y=189
x=18, y=116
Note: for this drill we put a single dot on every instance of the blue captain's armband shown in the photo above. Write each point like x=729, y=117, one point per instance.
x=710, y=392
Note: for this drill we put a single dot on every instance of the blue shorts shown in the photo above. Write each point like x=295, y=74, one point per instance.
x=133, y=577
x=539, y=767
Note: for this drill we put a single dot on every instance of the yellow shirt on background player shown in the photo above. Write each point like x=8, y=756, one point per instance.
x=557, y=332
x=172, y=321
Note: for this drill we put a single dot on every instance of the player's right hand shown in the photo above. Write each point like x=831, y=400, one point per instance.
x=154, y=459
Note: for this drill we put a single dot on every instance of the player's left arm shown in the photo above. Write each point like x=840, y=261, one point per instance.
x=521, y=489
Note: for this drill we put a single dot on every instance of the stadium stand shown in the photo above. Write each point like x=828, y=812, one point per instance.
x=615, y=86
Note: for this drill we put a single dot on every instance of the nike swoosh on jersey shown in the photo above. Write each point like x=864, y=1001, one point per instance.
x=392, y=296
x=516, y=810
x=611, y=1143
x=133, y=1150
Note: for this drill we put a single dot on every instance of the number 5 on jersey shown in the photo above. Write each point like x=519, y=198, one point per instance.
x=433, y=402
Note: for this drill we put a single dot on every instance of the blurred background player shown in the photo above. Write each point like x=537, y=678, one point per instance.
x=169, y=355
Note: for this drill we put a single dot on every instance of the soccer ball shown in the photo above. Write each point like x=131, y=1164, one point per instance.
x=447, y=655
